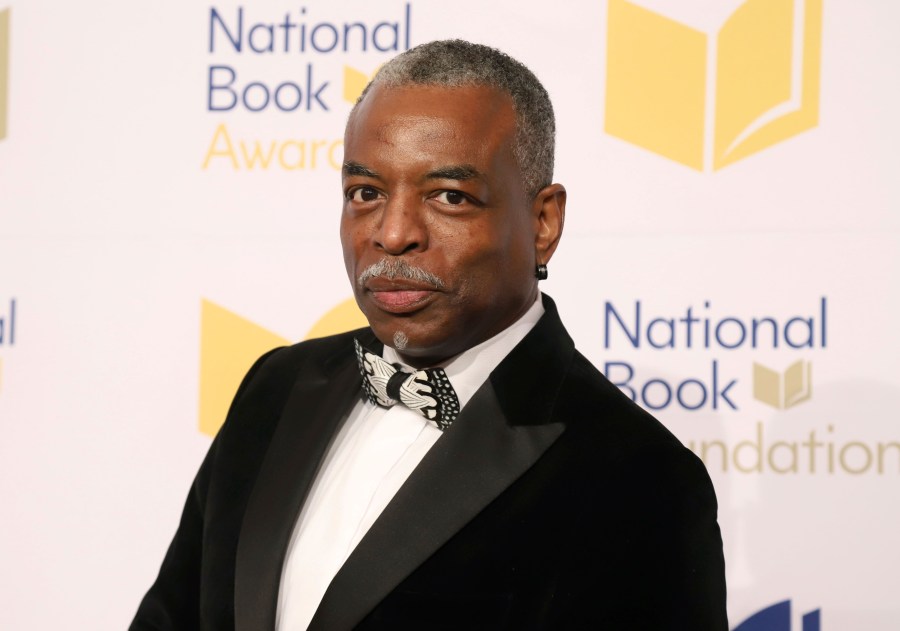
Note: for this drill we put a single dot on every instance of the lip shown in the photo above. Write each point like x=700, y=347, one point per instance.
x=399, y=295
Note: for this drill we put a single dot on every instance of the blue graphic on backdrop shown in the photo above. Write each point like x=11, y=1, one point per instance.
x=700, y=329
x=777, y=617
x=301, y=36
x=315, y=74
x=8, y=325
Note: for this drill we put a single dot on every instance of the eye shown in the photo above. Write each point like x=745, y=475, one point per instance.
x=454, y=198
x=362, y=194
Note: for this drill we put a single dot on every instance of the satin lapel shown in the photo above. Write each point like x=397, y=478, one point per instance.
x=490, y=445
x=312, y=415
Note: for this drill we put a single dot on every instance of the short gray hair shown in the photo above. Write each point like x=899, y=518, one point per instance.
x=455, y=63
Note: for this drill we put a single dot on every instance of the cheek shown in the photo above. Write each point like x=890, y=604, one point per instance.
x=476, y=258
x=353, y=239
x=351, y=256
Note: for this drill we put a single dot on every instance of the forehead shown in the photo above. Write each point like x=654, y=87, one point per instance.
x=469, y=123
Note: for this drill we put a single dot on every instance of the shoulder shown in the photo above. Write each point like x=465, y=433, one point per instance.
x=648, y=507
x=603, y=421
x=634, y=465
x=278, y=368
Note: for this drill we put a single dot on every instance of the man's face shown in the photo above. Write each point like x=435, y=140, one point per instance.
x=430, y=180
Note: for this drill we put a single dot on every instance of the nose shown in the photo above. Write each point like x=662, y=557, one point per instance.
x=402, y=226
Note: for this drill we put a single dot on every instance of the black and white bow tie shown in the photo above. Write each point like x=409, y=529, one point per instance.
x=427, y=391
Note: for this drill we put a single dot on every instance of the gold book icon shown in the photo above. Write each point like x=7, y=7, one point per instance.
x=762, y=85
x=785, y=390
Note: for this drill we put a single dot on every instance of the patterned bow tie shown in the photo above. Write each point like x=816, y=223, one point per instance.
x=427, y=391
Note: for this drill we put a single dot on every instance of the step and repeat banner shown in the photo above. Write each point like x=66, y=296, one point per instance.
x=169, y=206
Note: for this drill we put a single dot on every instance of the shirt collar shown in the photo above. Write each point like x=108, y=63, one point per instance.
x=471, y=368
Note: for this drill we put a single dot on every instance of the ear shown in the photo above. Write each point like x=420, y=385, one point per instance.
x=549, y=213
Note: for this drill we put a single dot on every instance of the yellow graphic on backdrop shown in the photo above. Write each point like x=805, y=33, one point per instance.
x=293, y=154
x=4, y=70
x=783, y=390
x=355, y=82
x=657, y=82
x=346, y=316
x=229, y=344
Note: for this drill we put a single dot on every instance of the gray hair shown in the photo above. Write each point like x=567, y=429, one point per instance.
x=454, y=63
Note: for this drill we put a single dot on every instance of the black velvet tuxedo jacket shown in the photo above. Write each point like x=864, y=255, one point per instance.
x=553, y=502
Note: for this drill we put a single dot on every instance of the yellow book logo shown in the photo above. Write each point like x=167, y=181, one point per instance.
x=355, y=81
x=4, y=70
x=229, y=344
x=764, y=62
x=785, y=390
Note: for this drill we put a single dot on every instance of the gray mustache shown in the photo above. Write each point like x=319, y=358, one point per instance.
x=398, y=268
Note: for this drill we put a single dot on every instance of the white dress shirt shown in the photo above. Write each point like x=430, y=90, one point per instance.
x=371, y=457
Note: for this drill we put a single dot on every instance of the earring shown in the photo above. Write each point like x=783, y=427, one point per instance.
x=540, y=272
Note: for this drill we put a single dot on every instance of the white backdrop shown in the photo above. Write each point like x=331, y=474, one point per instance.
x=126, y=202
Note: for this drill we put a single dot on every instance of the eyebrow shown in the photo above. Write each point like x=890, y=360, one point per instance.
x=460, y=172
x=355, y=168
x=454, y=172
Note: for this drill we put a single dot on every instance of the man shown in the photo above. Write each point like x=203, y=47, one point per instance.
x=512, y=488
